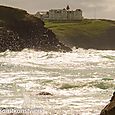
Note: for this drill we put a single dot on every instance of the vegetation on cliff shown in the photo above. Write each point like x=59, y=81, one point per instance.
x=96, y=34
x=19, y=30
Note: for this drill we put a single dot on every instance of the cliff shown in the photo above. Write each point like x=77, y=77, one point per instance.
x=88, y=34
x=19, y=30
x=110, y=108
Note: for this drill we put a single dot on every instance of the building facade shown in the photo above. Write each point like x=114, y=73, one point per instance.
x=61, y=15
x=42, y=15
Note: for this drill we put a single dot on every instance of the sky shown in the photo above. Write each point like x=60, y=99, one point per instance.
x=91, y=8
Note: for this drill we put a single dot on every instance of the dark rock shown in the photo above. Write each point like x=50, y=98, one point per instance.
x=45, y=93
x=19, y=30
x=110, y=108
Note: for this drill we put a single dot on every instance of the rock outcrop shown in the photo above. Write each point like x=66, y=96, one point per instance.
x=19, y=30
x=110, y=108
x=45, y=93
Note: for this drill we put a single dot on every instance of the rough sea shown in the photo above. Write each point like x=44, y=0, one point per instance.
x=80, y=82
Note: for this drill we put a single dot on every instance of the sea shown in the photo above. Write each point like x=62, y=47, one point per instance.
x=80, y=82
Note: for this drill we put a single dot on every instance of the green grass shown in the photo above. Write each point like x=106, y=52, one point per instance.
x=88, y=28
x=85, y=34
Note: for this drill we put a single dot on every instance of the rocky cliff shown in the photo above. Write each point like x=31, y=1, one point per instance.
x=19, y=30
x=110, y=108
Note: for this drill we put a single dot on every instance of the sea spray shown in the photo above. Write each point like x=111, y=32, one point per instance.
x=80, y=81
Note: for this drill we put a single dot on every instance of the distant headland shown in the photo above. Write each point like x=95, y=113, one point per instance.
x=19, y=30
x=87, y=33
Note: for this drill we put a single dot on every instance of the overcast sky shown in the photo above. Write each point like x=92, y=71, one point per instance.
x=91, y=8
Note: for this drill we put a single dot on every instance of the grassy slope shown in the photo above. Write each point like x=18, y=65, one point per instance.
x=84, y=33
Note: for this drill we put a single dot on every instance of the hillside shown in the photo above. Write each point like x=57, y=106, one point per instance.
x=96, y=34
x=19, y=30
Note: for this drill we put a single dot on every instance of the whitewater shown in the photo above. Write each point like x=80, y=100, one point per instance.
x=80, y=82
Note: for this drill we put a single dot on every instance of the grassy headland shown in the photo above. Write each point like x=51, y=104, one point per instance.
x=97, y=34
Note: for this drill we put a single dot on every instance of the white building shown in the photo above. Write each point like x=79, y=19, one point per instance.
x=61, y=15
x=42, y=15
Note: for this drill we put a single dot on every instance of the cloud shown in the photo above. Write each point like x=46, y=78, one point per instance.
x=97, y=8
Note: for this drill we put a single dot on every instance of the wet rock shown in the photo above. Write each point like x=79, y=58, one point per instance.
x=19, y=30
x=45, y=93
x=110, y=108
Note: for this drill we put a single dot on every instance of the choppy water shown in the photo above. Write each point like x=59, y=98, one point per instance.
x=81, y=82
